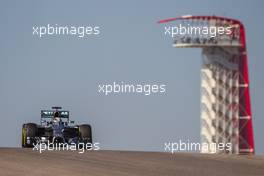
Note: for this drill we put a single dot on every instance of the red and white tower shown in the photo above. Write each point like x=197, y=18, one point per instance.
x=225, y=99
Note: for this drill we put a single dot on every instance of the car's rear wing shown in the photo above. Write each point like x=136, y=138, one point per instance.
x=50, y=114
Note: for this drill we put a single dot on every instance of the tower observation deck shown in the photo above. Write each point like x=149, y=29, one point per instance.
x=225, y=98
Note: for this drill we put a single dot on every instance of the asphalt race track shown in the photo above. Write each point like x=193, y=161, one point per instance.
x=15, y=162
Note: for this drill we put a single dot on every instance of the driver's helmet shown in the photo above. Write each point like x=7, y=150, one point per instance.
x=56, y=116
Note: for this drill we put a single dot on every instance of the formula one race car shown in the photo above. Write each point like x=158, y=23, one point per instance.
x=55, y=127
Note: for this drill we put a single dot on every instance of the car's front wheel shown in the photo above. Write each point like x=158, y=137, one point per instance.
x=85, y=133
x=29, y=132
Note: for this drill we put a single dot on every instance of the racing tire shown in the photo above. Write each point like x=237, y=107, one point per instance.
x=28, y=130
x=85, y=133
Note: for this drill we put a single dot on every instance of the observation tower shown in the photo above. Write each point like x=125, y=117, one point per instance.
x=225, y=98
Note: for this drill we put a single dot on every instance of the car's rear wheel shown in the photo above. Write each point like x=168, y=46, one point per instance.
x=29, y=132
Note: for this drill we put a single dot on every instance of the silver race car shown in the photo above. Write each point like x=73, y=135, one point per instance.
x=55, y=127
